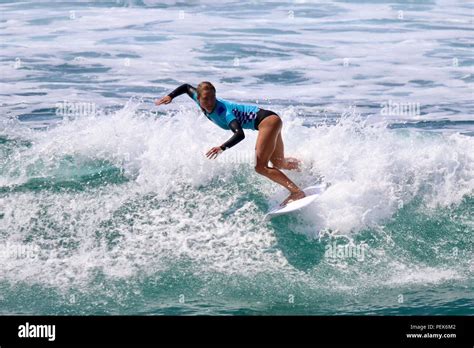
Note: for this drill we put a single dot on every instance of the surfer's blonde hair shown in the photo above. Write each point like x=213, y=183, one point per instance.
x=205, y=86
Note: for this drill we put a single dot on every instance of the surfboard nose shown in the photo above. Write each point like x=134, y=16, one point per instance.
x=312, y=192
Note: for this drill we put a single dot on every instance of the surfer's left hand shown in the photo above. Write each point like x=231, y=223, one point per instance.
x=214, y=152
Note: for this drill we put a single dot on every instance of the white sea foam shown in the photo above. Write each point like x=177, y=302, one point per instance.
x=177, y=204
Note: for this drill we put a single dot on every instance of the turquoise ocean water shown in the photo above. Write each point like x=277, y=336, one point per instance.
x=109, y=206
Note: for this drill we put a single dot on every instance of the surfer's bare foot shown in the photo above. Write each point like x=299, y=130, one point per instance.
x=293, y=197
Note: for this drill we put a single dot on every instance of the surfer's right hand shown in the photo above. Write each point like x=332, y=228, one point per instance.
x=165, y=100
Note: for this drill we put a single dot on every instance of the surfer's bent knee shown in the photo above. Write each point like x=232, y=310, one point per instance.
x=261, y=169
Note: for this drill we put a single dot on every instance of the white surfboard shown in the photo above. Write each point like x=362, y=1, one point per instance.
x=312, y=192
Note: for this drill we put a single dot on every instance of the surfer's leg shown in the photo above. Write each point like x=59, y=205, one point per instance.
x=266, y=143
x=279, y=160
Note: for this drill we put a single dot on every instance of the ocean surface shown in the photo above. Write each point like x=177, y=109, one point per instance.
x=108, y=204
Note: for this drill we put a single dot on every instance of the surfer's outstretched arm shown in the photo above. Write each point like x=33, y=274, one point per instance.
x=184, y=88
x=238, y=136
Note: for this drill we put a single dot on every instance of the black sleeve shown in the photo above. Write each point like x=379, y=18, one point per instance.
x=185, y=88
x=236, y=138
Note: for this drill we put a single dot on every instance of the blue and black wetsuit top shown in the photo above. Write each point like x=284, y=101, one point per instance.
x=228, y=115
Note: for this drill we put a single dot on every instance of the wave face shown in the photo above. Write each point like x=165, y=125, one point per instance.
x=126, y=214
x=118, y=211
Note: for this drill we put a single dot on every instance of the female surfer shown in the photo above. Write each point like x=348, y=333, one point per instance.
x=233, y=116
